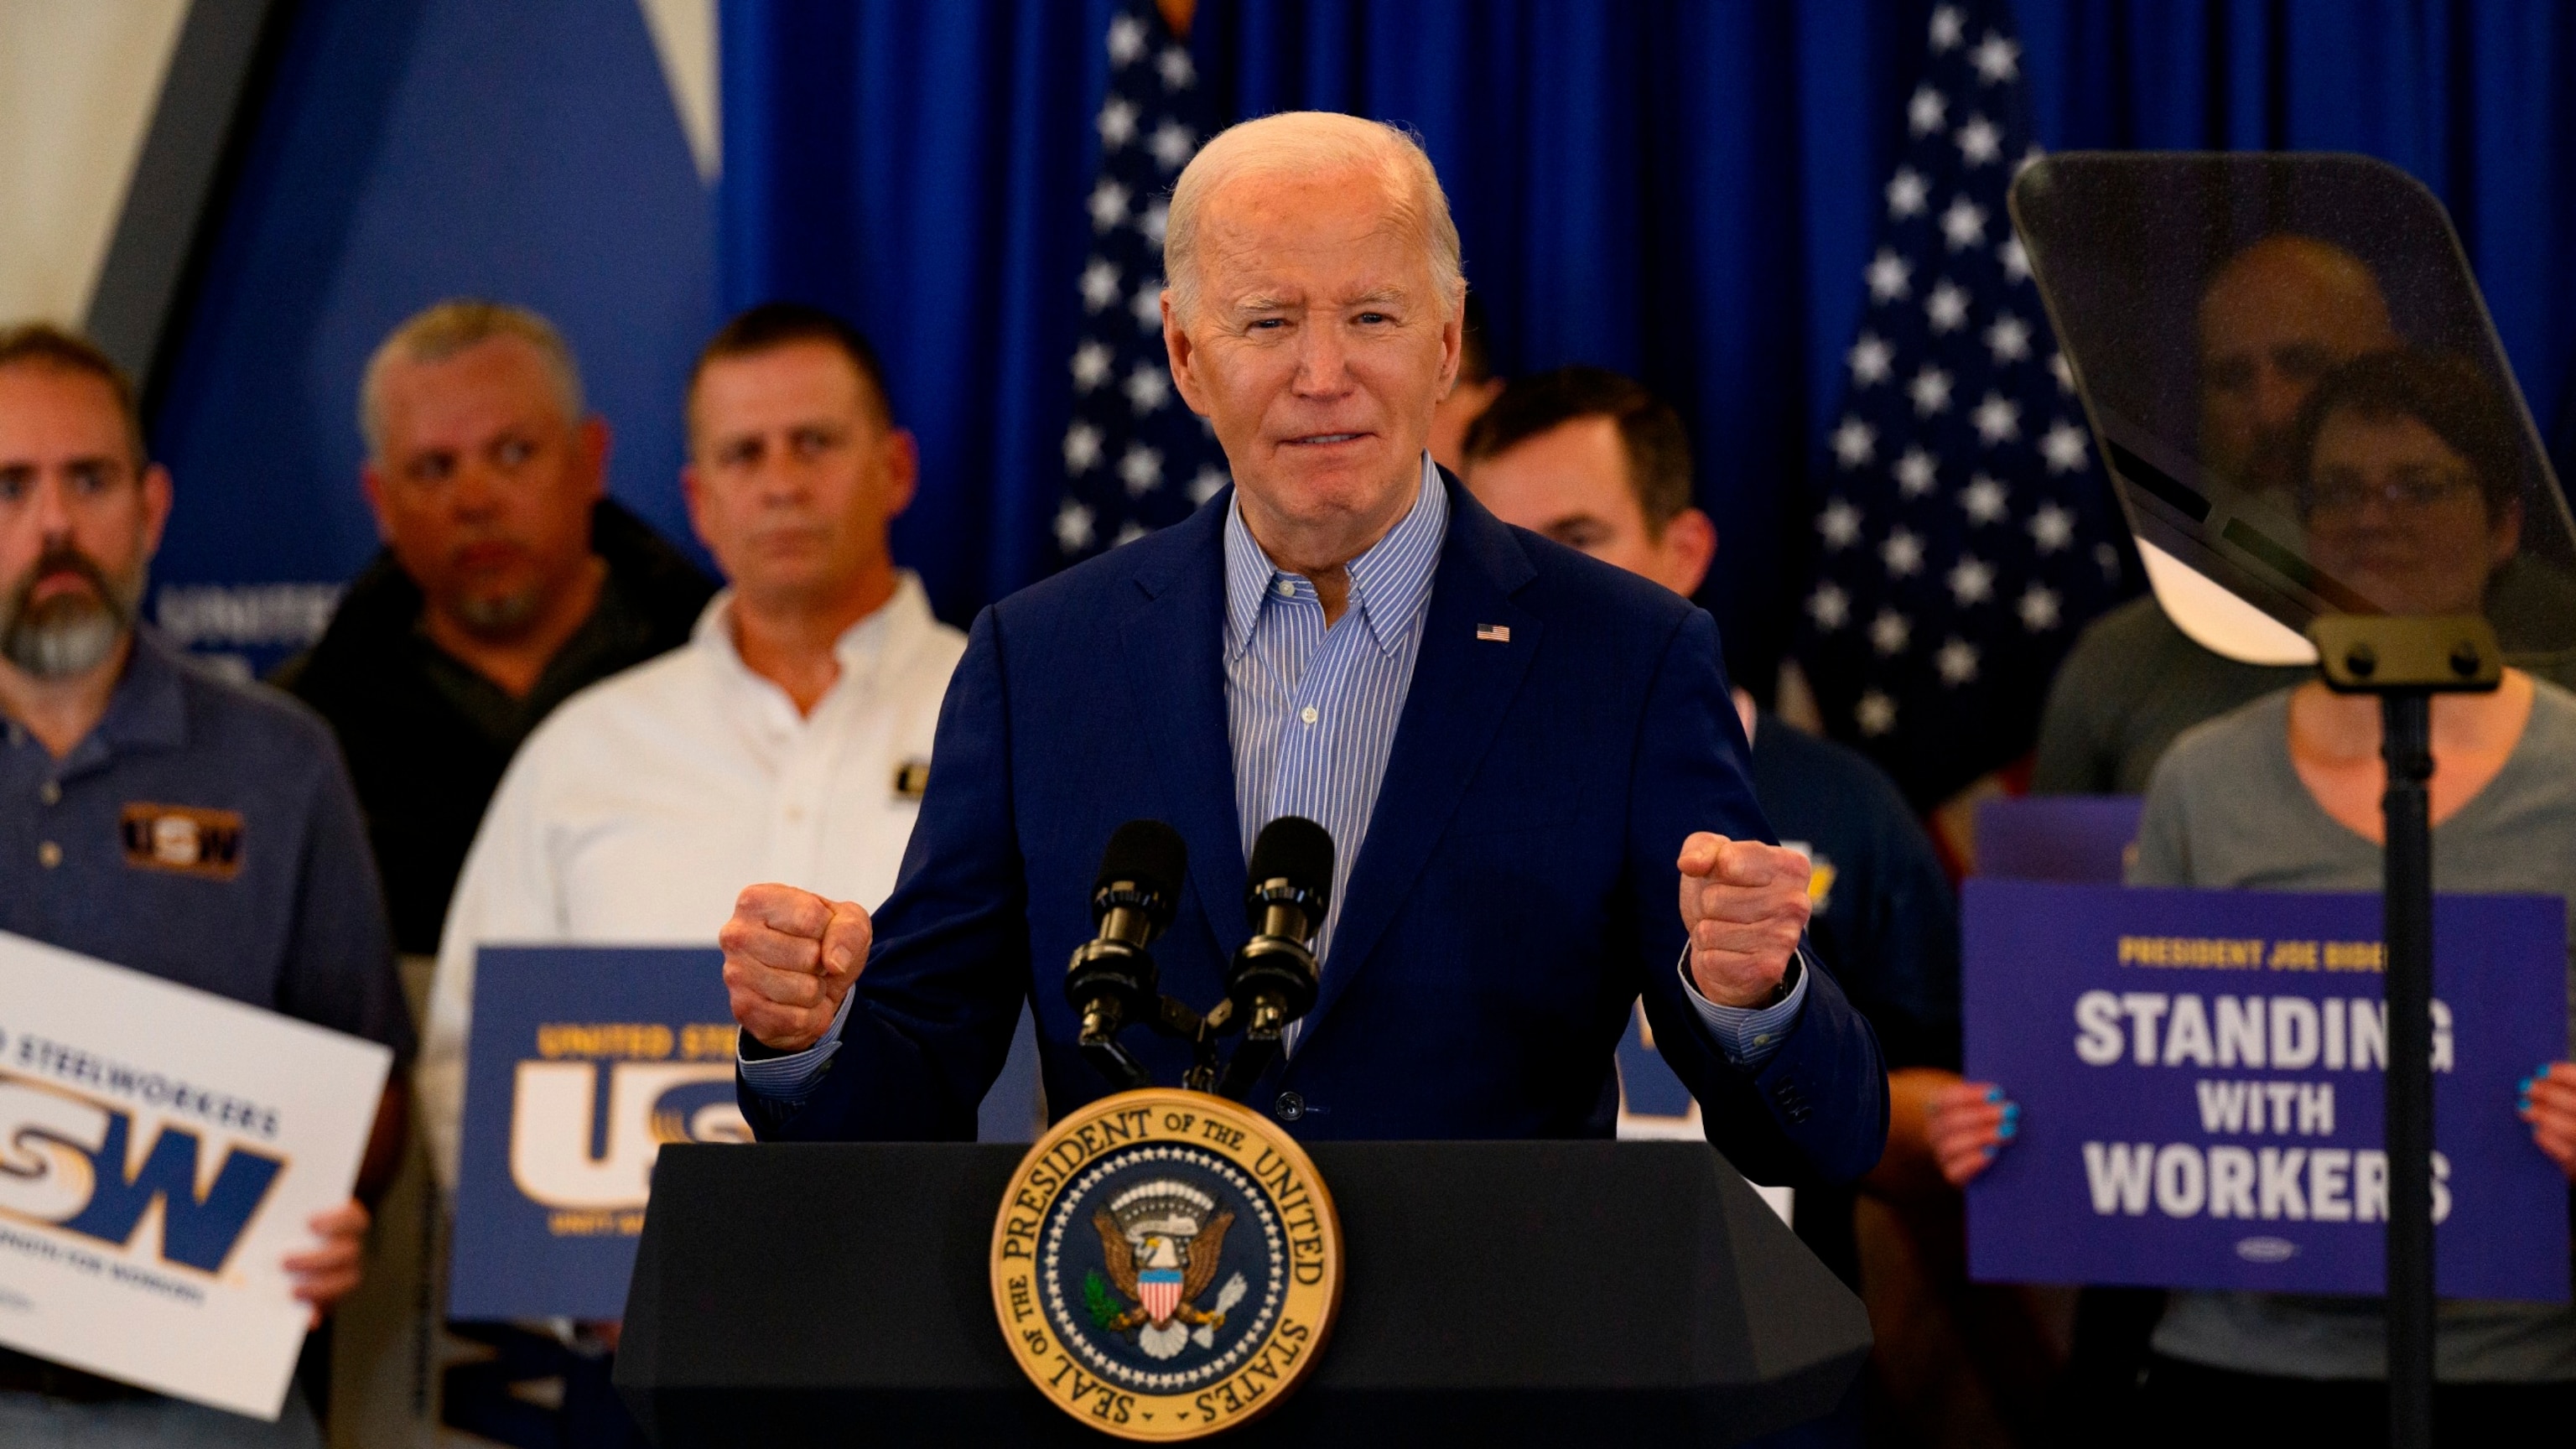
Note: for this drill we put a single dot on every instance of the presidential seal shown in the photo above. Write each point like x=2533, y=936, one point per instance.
x=1166, y=1264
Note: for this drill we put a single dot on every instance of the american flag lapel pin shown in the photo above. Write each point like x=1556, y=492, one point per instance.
x=1494, y=633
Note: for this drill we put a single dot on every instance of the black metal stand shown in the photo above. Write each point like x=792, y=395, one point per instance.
x=2406, y=743
x=2406, y=661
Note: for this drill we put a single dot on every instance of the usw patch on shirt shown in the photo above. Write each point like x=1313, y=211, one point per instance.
x=187, y=839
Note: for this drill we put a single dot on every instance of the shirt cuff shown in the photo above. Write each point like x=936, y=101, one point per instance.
x=1749, y=1035
x=792, y=1077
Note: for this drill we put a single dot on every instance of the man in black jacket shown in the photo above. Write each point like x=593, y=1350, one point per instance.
x=508, y=581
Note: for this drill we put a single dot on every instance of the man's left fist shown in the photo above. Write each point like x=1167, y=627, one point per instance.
x=1745, y=905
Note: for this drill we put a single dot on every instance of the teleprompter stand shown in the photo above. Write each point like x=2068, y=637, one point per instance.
x=1498, y=1293
x=2406, y=660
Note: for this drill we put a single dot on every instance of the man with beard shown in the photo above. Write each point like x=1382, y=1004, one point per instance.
x=508, y=581
x=2274, y=319
x=109, y=729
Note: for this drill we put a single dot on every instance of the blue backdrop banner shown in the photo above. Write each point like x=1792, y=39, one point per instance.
x=2202, y=1078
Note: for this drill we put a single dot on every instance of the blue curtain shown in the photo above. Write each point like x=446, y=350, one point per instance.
x=1680, y=189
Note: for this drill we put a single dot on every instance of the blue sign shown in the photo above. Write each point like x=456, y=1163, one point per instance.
x=584, y=1060
x=2201, y=1075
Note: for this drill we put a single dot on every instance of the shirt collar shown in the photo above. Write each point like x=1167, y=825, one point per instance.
x=1389, y=582
x=860, y=649
x=148, y=709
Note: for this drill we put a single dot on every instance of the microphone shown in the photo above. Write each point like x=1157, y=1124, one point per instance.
x=1272, y=981
x=1112, y=979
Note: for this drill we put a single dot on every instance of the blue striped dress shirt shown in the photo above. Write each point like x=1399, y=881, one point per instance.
x=1312, y=712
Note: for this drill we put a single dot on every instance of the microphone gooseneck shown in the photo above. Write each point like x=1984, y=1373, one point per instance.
x=1273, y=978
x=1112, y=979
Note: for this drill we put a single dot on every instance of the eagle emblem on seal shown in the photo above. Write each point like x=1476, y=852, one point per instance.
x=1160, y=1242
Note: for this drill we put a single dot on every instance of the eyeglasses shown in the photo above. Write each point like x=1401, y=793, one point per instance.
x=2408, y=493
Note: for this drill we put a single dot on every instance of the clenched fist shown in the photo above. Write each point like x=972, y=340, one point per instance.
x=1745, y=905
x=789, y=958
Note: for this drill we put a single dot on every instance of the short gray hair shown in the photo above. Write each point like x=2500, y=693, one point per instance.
x=1311, y=143
x=450, y=327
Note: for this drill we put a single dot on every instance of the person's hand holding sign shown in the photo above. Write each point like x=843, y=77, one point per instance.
x=2549, y=1105
x=328, y=1271
x=789, y=958
x=1971, y=1122
x=1745, y=905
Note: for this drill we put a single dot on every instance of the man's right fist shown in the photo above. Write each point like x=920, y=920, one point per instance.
x=789, y=958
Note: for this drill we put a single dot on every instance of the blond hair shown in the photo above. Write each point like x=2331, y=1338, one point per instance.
x=1314, y=143
x=447, y=328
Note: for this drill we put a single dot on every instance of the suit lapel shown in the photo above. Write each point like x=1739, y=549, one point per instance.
x=1174, y=644
x=1461, y=687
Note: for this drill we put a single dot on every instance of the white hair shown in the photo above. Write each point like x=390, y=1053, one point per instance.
x=450, y=327
x=1314, y=143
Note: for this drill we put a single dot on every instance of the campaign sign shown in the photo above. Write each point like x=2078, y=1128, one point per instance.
x=2202, y=1082
x=162, y=1151
x=583, y=1061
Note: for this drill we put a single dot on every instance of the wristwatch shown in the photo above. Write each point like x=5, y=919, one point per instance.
x=1788, y=979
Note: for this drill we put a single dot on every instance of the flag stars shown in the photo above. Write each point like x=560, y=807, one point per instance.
x=1875, y=714
x=1890, y=277
x=1902, y=553
x=1984, y=500
x=1147, y=305
x=1081, y=448
x=1099, y=284
x=1972, y=581
x=1855, y=443
x=2051, y=528
x=1997, y=59
x=1156, y=221
x=2016, y=260
x=1207, y=485
x=1147, y=388
x=1980, y=142
x=1889, y=632
x=1172, y=144
x=1916, y=472
x=1997, y=419
x=1073, y=527
x=2063, y=446
x=1117, y=123
x=2064, y=373
x=1956, y=660
x=1108, y=204
x=1870, y=360
x=1830, y=607
x=1963, y=225
x=2008, y=339
x=1141, y=470
x=1930, y=391
x=1927, y=111
x=1947, y=308
x=1179, y=75
x=1126, y=39
x=2038, y=609
x=1907, y=193
x=1091, y=363
x=1839, y=524
x=1949, y=28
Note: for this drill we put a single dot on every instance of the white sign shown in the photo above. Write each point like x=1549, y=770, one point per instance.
x=161, y=1152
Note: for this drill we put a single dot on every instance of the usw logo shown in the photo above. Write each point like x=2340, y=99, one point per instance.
x=573, y=1146
x=83, y=1166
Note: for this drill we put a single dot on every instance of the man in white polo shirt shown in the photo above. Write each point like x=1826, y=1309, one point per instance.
x=788, y=740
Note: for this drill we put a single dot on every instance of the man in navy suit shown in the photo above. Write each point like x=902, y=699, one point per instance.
x=1526, y=759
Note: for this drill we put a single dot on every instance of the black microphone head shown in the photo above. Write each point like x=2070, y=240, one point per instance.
x=1299, y=851
x=1151, y=855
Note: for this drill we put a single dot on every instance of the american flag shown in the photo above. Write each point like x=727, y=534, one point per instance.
x=1963, y=532
x=1135, y=457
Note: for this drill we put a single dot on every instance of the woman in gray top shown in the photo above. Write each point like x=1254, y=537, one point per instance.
x=2283, y=794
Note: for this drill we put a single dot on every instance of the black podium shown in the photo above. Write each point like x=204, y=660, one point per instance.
x=1498, y=1293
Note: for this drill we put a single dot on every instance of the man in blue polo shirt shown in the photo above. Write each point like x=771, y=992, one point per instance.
x=163, y=820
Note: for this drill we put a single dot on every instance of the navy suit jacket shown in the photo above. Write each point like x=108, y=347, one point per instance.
x=1516, y=891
